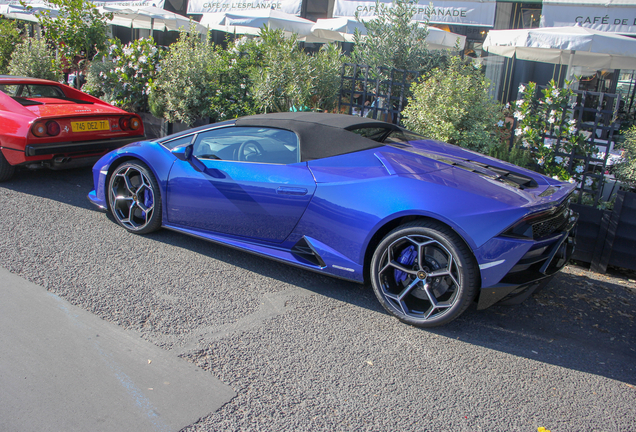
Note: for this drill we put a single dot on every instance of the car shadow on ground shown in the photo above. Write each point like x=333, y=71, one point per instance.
x=66, y=186
x=582, y=320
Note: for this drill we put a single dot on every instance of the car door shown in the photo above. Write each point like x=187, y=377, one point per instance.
x=242, y=181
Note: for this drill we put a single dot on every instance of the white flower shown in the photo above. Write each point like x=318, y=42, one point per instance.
x=558, y=159
x=500, y=123
x=525, y=144
x=579, y=169
x=143, y=59
x=551, y=120
x=522, y=88
x=519, y=116
x=526, y=129
x=572, y=122
x=555, y=93
x=588, y=181
x=556, y=177
x=518, y=132
x=548, y=100
x=507, y=106
x=553, y=113
x=571, y=180
x=519, y=102
x=541, y=161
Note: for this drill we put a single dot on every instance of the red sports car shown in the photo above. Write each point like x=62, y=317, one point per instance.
x=45, y=124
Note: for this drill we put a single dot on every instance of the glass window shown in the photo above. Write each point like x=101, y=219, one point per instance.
x=184, y=140
x=248, y=144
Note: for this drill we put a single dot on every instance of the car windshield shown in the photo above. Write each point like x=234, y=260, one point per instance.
x=28, y=94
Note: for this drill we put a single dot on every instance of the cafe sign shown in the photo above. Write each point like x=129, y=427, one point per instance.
x=466, y=12
x=615, y=16
x=220, y=6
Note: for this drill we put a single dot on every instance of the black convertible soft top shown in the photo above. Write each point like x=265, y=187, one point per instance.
x=321, y=135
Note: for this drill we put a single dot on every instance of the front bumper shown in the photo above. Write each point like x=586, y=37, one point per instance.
x=533, y=270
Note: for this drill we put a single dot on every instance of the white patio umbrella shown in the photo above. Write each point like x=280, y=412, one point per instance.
x=18, y=12
x=572, y=46
x=342, y=29
x=150, y=17
x=251, y=22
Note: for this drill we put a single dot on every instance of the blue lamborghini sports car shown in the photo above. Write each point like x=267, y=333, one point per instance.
x=432, y=226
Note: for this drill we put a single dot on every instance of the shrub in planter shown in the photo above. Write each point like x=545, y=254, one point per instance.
x=186, y=83
x=289, y=78
x=9, y=38
x=232, y=96
x=394, y=40
x=625, y=170
x=34, y=58
x=549, y=114
x=124, y=76
x=453, y=105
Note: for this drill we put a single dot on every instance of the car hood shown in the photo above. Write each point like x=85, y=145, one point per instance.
x=64, y=108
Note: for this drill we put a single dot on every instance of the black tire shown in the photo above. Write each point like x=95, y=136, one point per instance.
x=424, y=274
x=134, y=197
x=6, y=169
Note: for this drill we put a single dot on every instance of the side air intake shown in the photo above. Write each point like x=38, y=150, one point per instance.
x=303, y=250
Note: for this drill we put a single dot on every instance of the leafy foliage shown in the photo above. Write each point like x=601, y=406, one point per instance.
x=453, y=105
x=34, y=58
x=185, y=86
x=544, y=119
x=393, y=40
x=125, y=76
x=625, y=171
x=79, y=28
x=9, y=38
x=291, y=79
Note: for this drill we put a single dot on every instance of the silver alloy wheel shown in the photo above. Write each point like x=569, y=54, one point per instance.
x=132, y=198
x=422, y=287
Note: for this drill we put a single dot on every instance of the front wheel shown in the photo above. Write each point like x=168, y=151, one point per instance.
x=134, y=198
x=424, y=274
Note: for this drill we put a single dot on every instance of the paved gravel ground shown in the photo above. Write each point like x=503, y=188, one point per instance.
x=306, y=352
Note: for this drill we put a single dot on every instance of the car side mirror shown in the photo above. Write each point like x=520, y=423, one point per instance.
x=183, y=152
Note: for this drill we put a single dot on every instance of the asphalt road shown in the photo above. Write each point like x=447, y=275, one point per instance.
x=306, y=352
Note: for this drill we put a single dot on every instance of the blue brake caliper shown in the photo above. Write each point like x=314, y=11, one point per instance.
x=147, y=200
x=406, y=258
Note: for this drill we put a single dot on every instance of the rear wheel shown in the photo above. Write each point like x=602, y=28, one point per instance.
x=424, y=274
x=134, y=198
x=6, y=169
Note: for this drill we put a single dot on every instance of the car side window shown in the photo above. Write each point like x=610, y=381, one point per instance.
x=248, y=144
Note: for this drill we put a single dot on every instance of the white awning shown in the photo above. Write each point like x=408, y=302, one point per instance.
x=616, y=16
x=456, y=12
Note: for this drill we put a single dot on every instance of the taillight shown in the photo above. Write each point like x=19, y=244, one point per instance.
x=53, y=128
x=124, y=123
x=134, y=123
x=39, y=129
x=42, y=129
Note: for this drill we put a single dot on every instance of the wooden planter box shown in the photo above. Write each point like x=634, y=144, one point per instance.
x=605, y=237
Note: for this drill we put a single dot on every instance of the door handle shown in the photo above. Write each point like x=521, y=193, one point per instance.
x=283, y=190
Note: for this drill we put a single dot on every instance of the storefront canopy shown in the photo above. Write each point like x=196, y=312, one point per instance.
x=572, y=46
x=251, y=22
x=149, y=17
x=342, y=29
